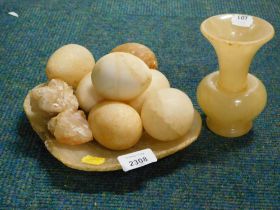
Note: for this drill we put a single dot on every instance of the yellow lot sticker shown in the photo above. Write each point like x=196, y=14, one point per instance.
x=93, y=160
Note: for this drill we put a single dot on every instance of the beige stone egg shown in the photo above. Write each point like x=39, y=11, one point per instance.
x=70, y=63
x=86, y=93
x=120, y=76
x=159, y=81
x=141, y=51
x=167, y=114
x=115, y=125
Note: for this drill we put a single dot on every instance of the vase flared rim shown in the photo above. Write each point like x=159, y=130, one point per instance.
x=262, y=39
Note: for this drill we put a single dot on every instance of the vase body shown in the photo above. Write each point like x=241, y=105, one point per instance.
x=231, y=97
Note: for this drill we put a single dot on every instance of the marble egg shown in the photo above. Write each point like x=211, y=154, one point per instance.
x=115, y=125
x=141, y=51
x=159, y=81
x=120, y=76
x=86, y=93
x=167, y=114
x=70, y=63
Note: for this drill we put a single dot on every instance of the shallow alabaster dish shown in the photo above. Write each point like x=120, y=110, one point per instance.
x=72, y=156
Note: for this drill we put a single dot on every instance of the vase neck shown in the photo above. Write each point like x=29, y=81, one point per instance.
x=234, y=62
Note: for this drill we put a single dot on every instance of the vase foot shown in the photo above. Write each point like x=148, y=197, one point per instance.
x=232, y=130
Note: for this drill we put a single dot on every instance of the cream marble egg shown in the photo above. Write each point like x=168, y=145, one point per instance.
x=141, y=51
x=115, y=125
x=159, y=81
x=86, y=94
x=70, y=63
x=167, y=114
x=120, y=76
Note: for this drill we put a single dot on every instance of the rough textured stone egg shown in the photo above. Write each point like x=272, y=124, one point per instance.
x=115, y=125
x=86, y=94
x=70, y=63
x=120, y=76
x=167, y=114
x=159, y=81
x=141, y=51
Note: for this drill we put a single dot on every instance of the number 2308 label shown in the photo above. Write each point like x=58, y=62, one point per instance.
x=137, y=159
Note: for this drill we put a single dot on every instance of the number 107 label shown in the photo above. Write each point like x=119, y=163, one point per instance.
x=242, y=20
x=137, y=159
